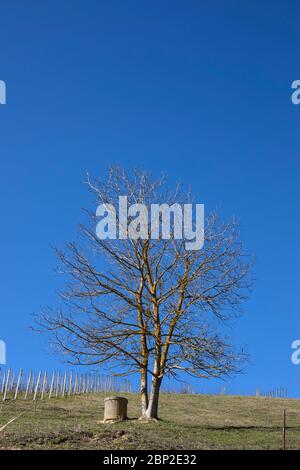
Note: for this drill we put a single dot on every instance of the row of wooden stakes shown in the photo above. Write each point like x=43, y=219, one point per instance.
x=43, y=385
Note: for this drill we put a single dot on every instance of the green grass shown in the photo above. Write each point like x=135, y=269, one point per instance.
x=187, y=422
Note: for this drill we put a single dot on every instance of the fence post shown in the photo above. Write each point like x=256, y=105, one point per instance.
x=51, y=384
x=27, y=386
x=75, y=385
x=18, y=383
x=64, y=384
x=6, y=384
x=31, y=390
x=57, y=384
x=11, y=384
x=70, y=383
x=3, y=383
x=284, y=428
x=44, y=385
x=37, y=386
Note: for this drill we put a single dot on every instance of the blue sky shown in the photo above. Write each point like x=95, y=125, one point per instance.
x=199, y=90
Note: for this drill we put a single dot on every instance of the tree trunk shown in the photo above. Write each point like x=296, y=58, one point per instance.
x=144, y=391
x=152, y=409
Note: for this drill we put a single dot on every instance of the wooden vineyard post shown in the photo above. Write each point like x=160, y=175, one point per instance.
x=37, y=386
x=57, y=384
x=51, y=385
x=27, y=386
x=64, y=385
x=284, y=429
x=70, y=384
x=6, y=385
x=75, y=385
x=3, y=383
x=18, y=383
x=44, y=385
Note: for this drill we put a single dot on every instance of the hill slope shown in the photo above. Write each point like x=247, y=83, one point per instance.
x=187, y=422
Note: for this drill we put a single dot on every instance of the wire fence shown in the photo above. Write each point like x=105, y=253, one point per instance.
x=279, y=392
x=43, y=385
x=186, y=388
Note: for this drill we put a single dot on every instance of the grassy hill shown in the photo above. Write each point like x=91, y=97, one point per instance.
x=187, y=422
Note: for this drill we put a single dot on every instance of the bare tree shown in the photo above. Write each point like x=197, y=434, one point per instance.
x=150, y=306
